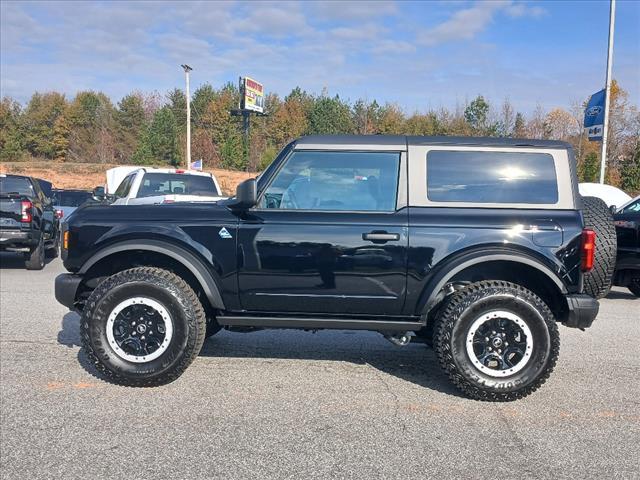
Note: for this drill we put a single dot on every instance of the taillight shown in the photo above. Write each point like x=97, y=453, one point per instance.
x=178, y=170
x=59, y=214
x=168, y=200
x=588, y=249
x=25, y=211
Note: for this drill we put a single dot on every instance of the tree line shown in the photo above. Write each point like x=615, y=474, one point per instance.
x=150, y=128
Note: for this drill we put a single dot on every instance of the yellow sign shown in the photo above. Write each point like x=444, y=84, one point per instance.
x=253, y=95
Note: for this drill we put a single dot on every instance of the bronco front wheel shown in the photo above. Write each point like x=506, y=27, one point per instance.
x=143, y=327
x=497, y=341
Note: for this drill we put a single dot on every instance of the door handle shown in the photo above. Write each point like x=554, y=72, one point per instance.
x=379, y=236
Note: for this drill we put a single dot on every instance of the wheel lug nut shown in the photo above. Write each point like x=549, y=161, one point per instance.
x=133, y=323
x=133, y=333
x=499, y=351
x=493, y=332
x=490, y=349
x=506, y=344
x=486, y=339
x=142, y=337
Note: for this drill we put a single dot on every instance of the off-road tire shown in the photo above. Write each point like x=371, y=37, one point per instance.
x=597, y=217
x=54, y=250
x=34, y=260
x=478, y=299
x=634, y=286
x=175, y=295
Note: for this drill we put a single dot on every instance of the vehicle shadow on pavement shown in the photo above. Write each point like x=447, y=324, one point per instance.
x=620, y=295
x=415, y=363
x=15, y=261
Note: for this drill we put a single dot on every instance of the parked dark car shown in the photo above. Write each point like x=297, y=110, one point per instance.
x=477, y=246
x=67, y=201
x=627, y=222
x=29, y=222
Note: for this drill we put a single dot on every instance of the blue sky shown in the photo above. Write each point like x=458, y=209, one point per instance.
x=421, y=55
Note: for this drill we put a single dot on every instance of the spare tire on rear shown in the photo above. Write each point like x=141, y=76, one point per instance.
x=597, y=217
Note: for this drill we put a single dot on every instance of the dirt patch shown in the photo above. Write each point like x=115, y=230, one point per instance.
x=87, y=176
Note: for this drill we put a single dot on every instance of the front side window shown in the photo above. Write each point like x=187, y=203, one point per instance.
x=491, y=177
x=335, y=181
x=632, y=207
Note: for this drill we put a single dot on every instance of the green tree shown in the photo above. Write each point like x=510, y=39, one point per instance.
x=630, y=172
x=476, y=114
x=589, y=168
x=519, y=127
x=330, y=116
x=130, y=125
x=178, y=105
x=39, y=119
x=11, y=130
x=200, y=101
x=61, y=138
x=93, y=128
x=159, y=143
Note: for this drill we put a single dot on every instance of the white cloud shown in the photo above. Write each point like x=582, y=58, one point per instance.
x=465, y=24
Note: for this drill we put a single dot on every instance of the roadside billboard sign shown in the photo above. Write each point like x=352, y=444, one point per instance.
x=252, y=95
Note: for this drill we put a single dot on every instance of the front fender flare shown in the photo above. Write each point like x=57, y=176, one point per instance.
x=430, y=294
x=186, y=258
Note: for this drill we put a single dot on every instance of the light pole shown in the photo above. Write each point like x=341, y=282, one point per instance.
x=187, y=69
x=607, y=97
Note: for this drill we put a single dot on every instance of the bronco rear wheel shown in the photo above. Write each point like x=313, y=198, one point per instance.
x=143, y=327
x=497, y=341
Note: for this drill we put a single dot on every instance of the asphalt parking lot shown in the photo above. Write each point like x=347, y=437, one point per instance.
x=287, y=404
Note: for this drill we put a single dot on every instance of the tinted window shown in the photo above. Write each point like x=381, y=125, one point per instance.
x=19, y=185
x=70, y=199
x=491, y=177
x=124, y=187
x=177, y=184
x=335, y=181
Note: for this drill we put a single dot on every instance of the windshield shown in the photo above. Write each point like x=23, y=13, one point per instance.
x=19, y=185
x=632, y=207
x=154, y=184
x=70, y=199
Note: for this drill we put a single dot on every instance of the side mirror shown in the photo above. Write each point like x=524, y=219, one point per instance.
x=246, y=195
x=613, y=209
x=99, y=194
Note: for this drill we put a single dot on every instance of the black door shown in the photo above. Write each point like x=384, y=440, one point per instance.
x=327, y=237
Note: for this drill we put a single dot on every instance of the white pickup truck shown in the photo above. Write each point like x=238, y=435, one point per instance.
x=166, y=185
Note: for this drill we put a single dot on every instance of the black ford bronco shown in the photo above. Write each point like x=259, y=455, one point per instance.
x=475, y=246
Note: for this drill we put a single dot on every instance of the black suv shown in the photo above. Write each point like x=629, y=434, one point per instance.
x=474, y=246
x=29, y=223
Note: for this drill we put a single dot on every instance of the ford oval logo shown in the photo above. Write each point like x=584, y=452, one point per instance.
x=593, y=111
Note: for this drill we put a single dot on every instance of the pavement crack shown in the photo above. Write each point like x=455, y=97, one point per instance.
x=392, y=392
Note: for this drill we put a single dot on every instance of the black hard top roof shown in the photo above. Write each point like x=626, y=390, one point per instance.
x=404, y=140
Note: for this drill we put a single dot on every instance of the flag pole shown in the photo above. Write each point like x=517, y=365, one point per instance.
x=605, y=133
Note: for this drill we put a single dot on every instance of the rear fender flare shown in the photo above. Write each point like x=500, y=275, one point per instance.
x=186, y=258
x=430, y=294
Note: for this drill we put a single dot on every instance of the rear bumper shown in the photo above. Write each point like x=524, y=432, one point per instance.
x=16, y=238
x=66, y=287
x=583, y=310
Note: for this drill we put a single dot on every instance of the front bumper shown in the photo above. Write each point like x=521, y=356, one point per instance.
x=66, y=287
x=583, y=310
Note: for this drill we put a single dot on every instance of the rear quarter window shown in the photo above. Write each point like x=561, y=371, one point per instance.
x=491, y=177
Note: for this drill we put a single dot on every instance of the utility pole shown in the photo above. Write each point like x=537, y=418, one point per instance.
x=605, y=133
x=187, y=69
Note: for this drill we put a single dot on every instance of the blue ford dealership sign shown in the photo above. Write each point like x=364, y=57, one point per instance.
x=594, y=116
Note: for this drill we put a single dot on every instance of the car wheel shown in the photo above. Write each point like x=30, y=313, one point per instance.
x=34, y=260
x=143, y=327
x=597, y=217
x=497, y=341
